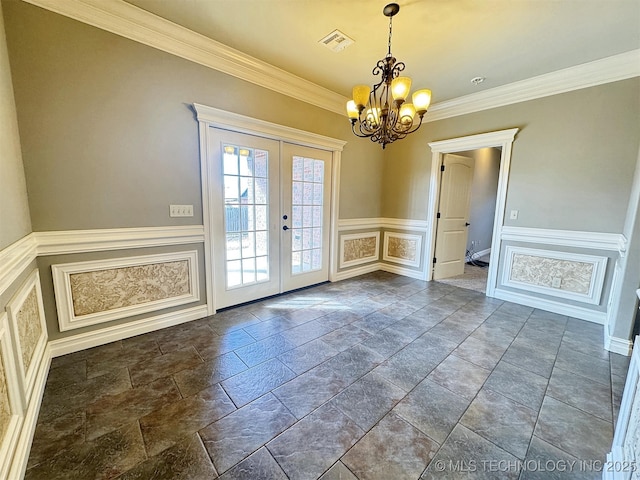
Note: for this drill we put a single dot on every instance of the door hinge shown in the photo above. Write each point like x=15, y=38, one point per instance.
x=438, y=215
x=442, y=168
x=434, y=260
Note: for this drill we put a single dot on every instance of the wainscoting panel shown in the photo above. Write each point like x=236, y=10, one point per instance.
x=11, y=405
x=359, y=248
x=402, y=248
x=570, y=276
x=88, y=293
x=28, y=331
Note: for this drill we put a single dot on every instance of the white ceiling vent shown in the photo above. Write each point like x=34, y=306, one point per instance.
x=336, y=41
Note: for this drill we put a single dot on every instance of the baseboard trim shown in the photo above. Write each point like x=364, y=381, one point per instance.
x=82, y=341
x=407, y=272
x=551, y=306
x=23, y=448
x=617, y=345
x=354, y=272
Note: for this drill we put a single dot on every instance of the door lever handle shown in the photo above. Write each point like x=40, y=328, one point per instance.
x=285, y=228
x=467, y=224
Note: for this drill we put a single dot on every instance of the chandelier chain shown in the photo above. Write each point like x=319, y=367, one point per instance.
x=390, y=30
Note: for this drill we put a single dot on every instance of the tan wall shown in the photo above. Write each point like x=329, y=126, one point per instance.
x=572, y=165
x=14, y=209
x=109, y=139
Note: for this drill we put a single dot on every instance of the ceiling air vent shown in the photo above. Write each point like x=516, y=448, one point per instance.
x=336, y=41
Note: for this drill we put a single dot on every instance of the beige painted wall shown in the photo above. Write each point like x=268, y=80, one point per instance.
x=108, y=136
x=15, y=222
x=572, y=164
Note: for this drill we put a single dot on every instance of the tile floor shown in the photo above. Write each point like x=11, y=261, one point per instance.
x=378, y=377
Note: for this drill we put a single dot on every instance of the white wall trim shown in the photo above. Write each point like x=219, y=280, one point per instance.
x=68, y=320
x=403, y=261
x=622, y=461
x=503, y=139
x=381, y=222
x=9, y=441
x=27, y=375
x=144, y=27
x=357, y=271
x=82, y=341
x=131, y=22
x=359, y=261
x=399, y=270
x=15, y=259
x=21, y=456
x=217, y=118
x=596, y=284
x=83, y=241
x=593, y=316
x=606, y=70
x=621, y=346
x=566, y=238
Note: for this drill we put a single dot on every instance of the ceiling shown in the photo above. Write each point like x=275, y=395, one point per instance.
x=444, y=43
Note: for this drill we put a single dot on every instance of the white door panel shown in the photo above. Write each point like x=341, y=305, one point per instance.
x=452, y=231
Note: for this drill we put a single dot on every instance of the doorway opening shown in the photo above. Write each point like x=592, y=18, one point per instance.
x=466, y=212
x=446, y=188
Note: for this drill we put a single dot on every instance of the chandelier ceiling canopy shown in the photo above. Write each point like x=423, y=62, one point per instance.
x=381, y=112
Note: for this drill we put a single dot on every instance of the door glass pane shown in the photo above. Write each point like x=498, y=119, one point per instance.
x=246, y=198
x=307, y=198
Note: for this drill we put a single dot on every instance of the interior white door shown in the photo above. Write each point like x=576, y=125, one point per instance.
x=453, y=216
x=246, y=238
x=271, y=230
x=306, y=198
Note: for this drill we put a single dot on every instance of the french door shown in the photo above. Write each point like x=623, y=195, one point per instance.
x=271, y=224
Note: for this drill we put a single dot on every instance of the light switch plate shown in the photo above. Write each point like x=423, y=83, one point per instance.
x=181, y=210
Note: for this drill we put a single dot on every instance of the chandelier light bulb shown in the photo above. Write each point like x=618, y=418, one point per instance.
x=422, y=100
x=400, y=87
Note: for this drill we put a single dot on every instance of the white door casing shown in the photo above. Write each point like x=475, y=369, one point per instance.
x=210, y=118
x=453, y=219
x=503, y=139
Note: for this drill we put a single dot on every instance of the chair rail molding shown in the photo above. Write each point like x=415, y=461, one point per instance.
x=15, y=259
x=136, y=24
x=567, y=238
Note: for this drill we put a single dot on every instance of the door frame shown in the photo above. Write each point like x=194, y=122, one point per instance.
x=210, y=117
x=503, y=139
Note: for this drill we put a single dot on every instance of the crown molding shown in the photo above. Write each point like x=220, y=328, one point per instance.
x=129, y=21
x=606, y=70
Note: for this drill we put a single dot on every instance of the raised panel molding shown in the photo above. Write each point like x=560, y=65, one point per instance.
x=68, y=297
x=590, y=294
x=402, y=248
x=28, y=331
x=355, y=251
x=131, y=22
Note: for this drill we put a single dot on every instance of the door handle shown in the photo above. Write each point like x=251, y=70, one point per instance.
x=467, y=224
x=285, y=228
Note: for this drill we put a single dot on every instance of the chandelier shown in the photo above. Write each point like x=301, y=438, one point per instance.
x=381, y=113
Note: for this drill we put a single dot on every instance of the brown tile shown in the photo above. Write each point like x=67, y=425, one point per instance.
x=180, y=336
x=129, y=357
x=66, y=375
x=255, y=382
x=260, y=465
x=164, y=365
x=56, y=435
x=392, y=449
x=232, y=438
x=113, y=411
x=104, y=458
x=76, y=396
x=165, y=426
x=213, y=371
x=223, y=344
x=186, y=460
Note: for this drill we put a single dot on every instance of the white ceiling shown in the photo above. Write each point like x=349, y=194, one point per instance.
x=444, y=43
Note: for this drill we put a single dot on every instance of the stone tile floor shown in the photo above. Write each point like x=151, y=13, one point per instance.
x=378, y=377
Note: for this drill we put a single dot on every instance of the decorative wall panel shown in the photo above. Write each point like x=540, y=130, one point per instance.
x=11, y=407
x=93, y=292
x=403, y=248
x=29, y=331
x=561, y=274
x=359, y=248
